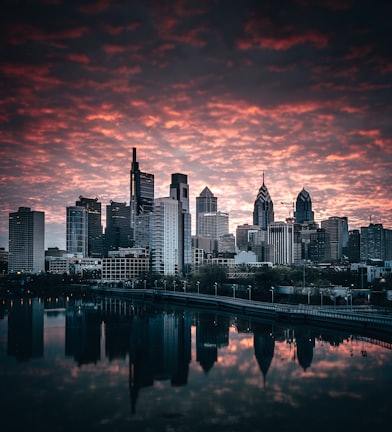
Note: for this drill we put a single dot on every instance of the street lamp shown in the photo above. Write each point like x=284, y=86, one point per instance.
x=174, y=285
x=349, y=297
x=156, y=284
x=145, y=284
x=233, y=286
x=216, y=288
x=164, y=284
x=184, y=287
x=308, y=295
x=198, y=287
x=321, y=297
x=250, y=291
x=272, y=293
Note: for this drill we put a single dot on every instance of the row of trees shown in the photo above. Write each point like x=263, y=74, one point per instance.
x=210, y=278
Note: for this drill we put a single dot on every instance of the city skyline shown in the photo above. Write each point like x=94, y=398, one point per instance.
x=221, y=92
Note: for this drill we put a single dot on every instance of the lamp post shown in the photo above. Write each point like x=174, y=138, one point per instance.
x=349, y=299
x=164, y=284
x=216, y=288
x=233, y=286
x=156, y=284
x=184, y=287
x=174, y=285
x=250, y=291
x=145, y=284
x=308, y=295
x=272, y=294
x=198, y=287
x=321, y=297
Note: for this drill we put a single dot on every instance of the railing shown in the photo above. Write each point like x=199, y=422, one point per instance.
x=344, y=313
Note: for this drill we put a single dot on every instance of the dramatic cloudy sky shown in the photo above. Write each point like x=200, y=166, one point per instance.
x=219, y=90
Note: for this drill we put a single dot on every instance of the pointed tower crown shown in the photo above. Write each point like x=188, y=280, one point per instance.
x=206, y=192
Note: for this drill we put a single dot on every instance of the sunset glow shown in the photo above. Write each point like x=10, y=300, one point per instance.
x=220, y=91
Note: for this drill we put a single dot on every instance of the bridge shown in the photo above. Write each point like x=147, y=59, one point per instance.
x=369, y=317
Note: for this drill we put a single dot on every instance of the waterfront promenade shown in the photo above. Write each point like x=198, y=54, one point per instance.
x=364, y=317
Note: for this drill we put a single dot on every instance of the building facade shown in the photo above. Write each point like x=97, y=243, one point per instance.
x=281, y=240
x=206, y=202
x=179, y=190
x=336, y=230
x=214, y=225
x=95, y=243
x=118, y=226
x=303, y=208
x=141, y=195
x=77, y=231
x=165, y=236
x=375, y=243
x=263, y=212
x=125, y=265
x=26, y=241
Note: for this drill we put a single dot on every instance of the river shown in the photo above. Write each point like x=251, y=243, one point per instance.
x=72, y=366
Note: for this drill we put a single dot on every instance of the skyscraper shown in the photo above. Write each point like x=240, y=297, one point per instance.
x=206, y=202
x=26, y=241
x=214, y=225
x=179, y=190
x=141, y=195
x=263, y=213
x=303, y=208
x=118, y=229
x=375, y=243
x=165, y=236
x=94, y=227
x=336, y=230
x=281, y=238
x=77, y=230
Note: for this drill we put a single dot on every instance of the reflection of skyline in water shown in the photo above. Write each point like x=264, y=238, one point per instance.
x=157, y=345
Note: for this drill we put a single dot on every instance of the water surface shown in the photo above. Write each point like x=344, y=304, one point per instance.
x=133, y=367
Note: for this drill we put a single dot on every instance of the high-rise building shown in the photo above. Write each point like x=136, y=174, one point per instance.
x=179, y=190
x=165, y=236
x=77, y=231
x=206, y=202
x=353, y=250
x=317, y=251
x=263, y=213
x=214, y=224
x=141, y=195
x=303, y=208
x=375, y=243
x=281, y=239
x=26, y=241
x=305, y=230
x=336, y=230
x=94, y=229
x=118, y=226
